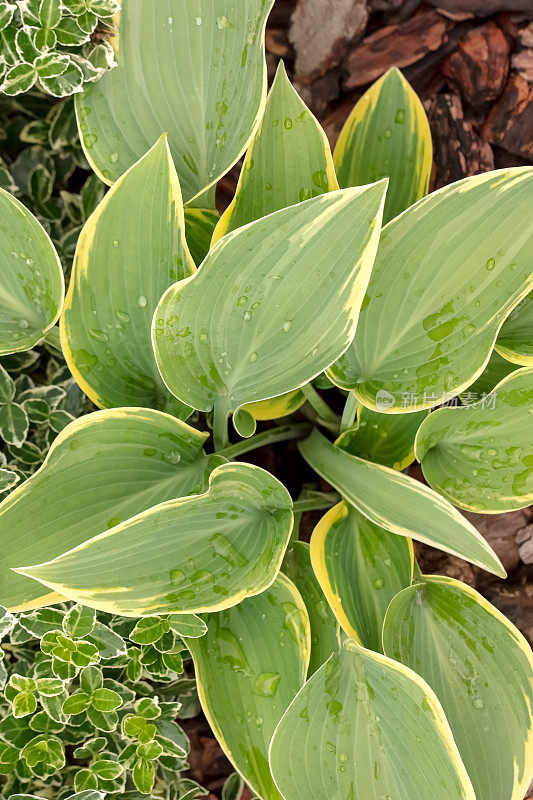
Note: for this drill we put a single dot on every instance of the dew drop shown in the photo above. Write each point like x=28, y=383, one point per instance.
x=253, y=357
x=142, y=301
x=287, y=325
x=491, y=263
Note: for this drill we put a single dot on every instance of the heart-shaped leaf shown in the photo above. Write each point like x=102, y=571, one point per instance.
x=360, y=568
x=193, y=554
x=515, y=339
x=210, y=114
x=272, y=305
x=411, y=509
x=324, y=626
x=447, y=273
x=129, y=252
x=364, y=726
x=387, y=439
x=101, y=470
x=288, y=160
x=249, y=666
x=387, y=135
x=480, y=667
x=480, y=457
x=31, y=278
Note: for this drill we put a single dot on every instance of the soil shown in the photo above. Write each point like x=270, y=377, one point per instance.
x=471, y=62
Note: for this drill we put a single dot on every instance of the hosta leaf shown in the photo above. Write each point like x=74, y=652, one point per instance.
x=447, y=273
x=366, y=728
x=101, y=470
x=249, y=666
x=324, y=626
x=411, y=509
x=31, y=292
x=288, y=160
x=496, y=370
x=199, y=226
x=276, y=407
x=360, y=568
x=480, y=457
x=387, y=135
x=387, y=439
x=129, y=252
x=192, y=554
x=210, y=117
x=272, y=304
x=515, y=340
x=481, y=668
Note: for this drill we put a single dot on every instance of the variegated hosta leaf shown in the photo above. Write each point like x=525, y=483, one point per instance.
x=288, y=160
x=387, y=439
x=360, y=568
x=447, y=273
x=366, y=728
x=193, y=68
x=130, y=251
x=249, y=666
x=31, y=278
x=199, y=226
x=101, y=470
x=398, y=503
x=515, y=340
x=192, y=554
x=387, y=135
x=324, y=627
x=273, y=303
x=481, y=668
x=480, y=457
x=496, y=369
x=276, y=407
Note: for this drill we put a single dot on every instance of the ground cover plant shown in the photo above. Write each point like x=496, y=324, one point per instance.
x=334, y=669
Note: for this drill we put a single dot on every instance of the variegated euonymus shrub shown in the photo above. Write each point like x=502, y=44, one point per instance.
x=331, y=283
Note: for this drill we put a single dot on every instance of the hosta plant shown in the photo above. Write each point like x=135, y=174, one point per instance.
x=335, y=291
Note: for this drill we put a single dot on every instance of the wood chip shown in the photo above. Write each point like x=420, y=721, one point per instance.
x=509, y=123
x=479, y=66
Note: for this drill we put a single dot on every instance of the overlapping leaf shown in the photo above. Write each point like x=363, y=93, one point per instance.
x=289, y=160
x=199, y=226
x=249, y=666
x=398, y=503
x=272, y=305
x=31, y=278
x=191, y=554
x=387, y=439
x=101, y=470
x=448, y=272
x=324, y=627
x=515, y=340
x=481, y=456
x=481, y=668
x=366, y=728
x=387, y=135
x=129, y=252
x=193, y=68
x=496, y=369
x=360, y=568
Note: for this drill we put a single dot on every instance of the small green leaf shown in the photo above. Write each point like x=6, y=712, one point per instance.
x=105, y=700
x=362, y=727
x=76, y=703
x=130, y=251
x=448, y=272
x=249, y=665
x=285, y=300
x=360, y=568
x=66, y=83
x=187, y=625
x=387, y=135
x=324, y=627
x=24, y=704
x=480, y=457
x=32, y=278
x=208, y=130
x=236, y=533
x=69, y=33
x=148, y=630
x=80, y=490
x=411, y=509
x=480, y=667
x=49, y=13
x=79, y=621
x=144, y=775
x=14, y=424
x=106, y=769
x=515, y=339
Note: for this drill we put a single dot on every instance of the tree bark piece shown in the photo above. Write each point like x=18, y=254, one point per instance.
x=396, y=45
x=482, y=9
x=321, y=32
x=480, y=64
x=509, y=123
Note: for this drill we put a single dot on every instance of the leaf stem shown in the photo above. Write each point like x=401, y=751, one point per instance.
x=220, y=425
x=320, y=406
x=316, y=503
x=350, y=410
x=298, y=430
